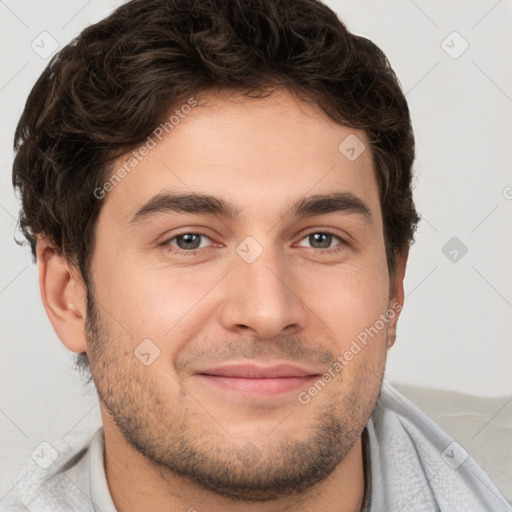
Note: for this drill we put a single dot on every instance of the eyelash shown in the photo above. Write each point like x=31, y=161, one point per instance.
x=193, y=252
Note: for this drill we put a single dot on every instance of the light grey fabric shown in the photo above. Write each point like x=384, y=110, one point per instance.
x=413, y=466
x=416, y=466
x=483, y=425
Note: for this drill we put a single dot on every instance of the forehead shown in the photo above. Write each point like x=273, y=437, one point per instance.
x=258, y=153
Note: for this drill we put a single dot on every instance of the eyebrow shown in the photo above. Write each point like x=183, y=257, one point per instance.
x=307, y=206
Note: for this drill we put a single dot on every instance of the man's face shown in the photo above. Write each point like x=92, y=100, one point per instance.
x=266, y=287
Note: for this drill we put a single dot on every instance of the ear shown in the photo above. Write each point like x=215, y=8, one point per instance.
x=64, y=295
x=396, y=298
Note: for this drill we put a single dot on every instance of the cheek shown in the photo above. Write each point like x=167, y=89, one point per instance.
x=348, y=299
x=156, y=303
x=350, y=302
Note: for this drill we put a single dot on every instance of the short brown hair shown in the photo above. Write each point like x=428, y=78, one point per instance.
x=105, y=92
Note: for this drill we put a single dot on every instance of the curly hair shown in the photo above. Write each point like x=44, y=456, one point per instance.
x=105, y=92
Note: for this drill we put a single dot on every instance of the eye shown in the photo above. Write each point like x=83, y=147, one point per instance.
x=323, y=240
x=187, y=242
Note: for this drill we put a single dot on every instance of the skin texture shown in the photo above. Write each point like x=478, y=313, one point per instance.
x=174, y=441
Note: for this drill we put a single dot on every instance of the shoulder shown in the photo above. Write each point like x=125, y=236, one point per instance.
x=56, y=478
x=416, y=465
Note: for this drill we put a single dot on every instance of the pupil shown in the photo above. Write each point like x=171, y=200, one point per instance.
x=188, y=240
x=317, y=238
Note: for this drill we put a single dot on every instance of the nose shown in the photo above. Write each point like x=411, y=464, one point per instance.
x=262, y=298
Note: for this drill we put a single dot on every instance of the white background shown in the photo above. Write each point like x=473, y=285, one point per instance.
x=455, y=330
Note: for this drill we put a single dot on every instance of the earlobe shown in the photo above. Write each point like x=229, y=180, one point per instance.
x=63, y=294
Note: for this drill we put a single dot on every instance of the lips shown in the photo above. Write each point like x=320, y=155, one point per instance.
x=258, y=380
x=258, y=372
